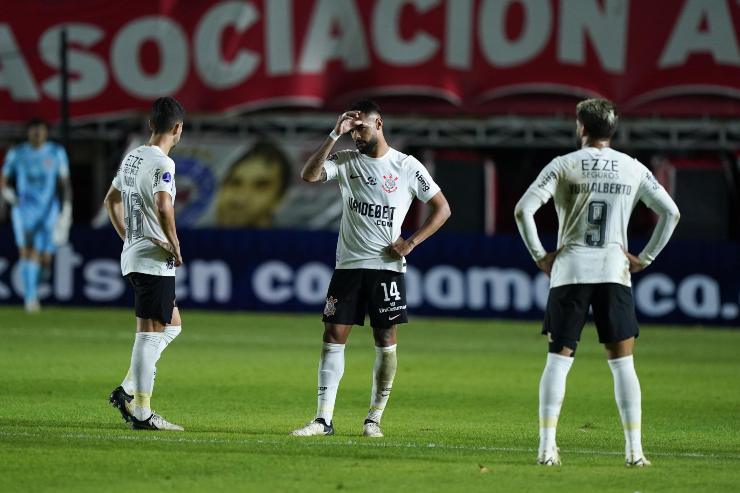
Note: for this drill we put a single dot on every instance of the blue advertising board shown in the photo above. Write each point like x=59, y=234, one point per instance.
x=450, y=275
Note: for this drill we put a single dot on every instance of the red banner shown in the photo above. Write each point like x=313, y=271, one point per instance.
x=670, y=58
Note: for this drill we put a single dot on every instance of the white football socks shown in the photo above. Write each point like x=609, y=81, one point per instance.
x=384, y=370
x=169, y=335
x=331, y=369
x=629, y=401
x=143, y=360
x=552, y=393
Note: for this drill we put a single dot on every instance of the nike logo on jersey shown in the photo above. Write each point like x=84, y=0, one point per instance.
x=394, y=317
x=352, y=177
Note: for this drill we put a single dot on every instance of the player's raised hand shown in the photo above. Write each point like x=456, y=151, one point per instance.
x=347, y=121
x=545, y=263
x=635, y=264
x=400, y=248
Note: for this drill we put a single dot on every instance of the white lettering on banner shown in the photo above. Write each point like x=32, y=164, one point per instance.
x=504, y=285
x=607, y=30
x=459, y=20
x=173, y=57
x=279, y=37
x=504, y=52
x=444, y=287
x=390, y=46
x=699, y=296
x=414, y=296
x=65, y=262
x=89, y=73
x=541, y=290
x=103, y=281
x=322, y=45
x=690, y=37
x=453, y=36
x=647, y=292
x=15, y=76
x=216, y=71
x=311, y=283
x=210, y=280
x=270, y=282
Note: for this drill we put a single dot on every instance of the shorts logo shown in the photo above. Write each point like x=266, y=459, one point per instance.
x=167, y=177
x=389, y=183
x=331, y=306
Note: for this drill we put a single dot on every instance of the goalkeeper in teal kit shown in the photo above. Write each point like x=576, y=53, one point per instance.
x=34, y=176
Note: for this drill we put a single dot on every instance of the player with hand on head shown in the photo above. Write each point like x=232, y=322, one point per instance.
x=40, y=169
x=140, y=204
x=378, y=184
x=595, y=190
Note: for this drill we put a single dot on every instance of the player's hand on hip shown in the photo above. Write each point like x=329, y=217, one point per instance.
x=347, y=121
x=400, y=248
x=178, y=258
x=545, y=263
x=635, y=263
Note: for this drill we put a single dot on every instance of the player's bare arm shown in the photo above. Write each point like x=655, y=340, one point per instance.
x=114, y=205
x=439, y=215
x=166, y=216
x=313, y=170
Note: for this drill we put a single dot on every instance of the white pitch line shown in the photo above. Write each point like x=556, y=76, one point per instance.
x=351, y=443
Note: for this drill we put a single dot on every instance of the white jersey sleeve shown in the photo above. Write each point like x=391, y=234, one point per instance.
x=535, y=197
x=652, y=194
x=421, y=184
x=163, y=177
x=117, y=184
x=332, y=163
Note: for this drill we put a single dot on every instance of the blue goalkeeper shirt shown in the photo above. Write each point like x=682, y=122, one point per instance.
x=36, y=173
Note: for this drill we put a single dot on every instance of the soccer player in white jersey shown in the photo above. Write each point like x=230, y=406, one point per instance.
x=378, y=184
x=595, y=190
x=140, y=203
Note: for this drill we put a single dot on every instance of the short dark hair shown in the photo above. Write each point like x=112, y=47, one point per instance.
x=166, y=113
x=36, y=121
x=599, y=117
x=366, y=106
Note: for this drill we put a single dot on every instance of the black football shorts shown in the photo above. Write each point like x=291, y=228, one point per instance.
x=567, y=310
x=154, y=296
x=355, y=292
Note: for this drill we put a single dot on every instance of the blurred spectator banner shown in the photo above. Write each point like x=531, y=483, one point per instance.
x=460, y=275
x=247, y=182
x=670, y=58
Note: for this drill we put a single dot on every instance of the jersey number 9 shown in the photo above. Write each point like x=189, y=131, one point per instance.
x=597, y=217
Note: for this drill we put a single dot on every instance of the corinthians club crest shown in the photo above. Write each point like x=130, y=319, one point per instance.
x=331, y=306
x=389, y=183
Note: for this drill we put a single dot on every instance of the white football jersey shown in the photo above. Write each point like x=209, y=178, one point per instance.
x=595, y=191
x=143, y=172
x=376, y=195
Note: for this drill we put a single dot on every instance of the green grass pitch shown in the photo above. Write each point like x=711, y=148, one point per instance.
x=462, y=417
